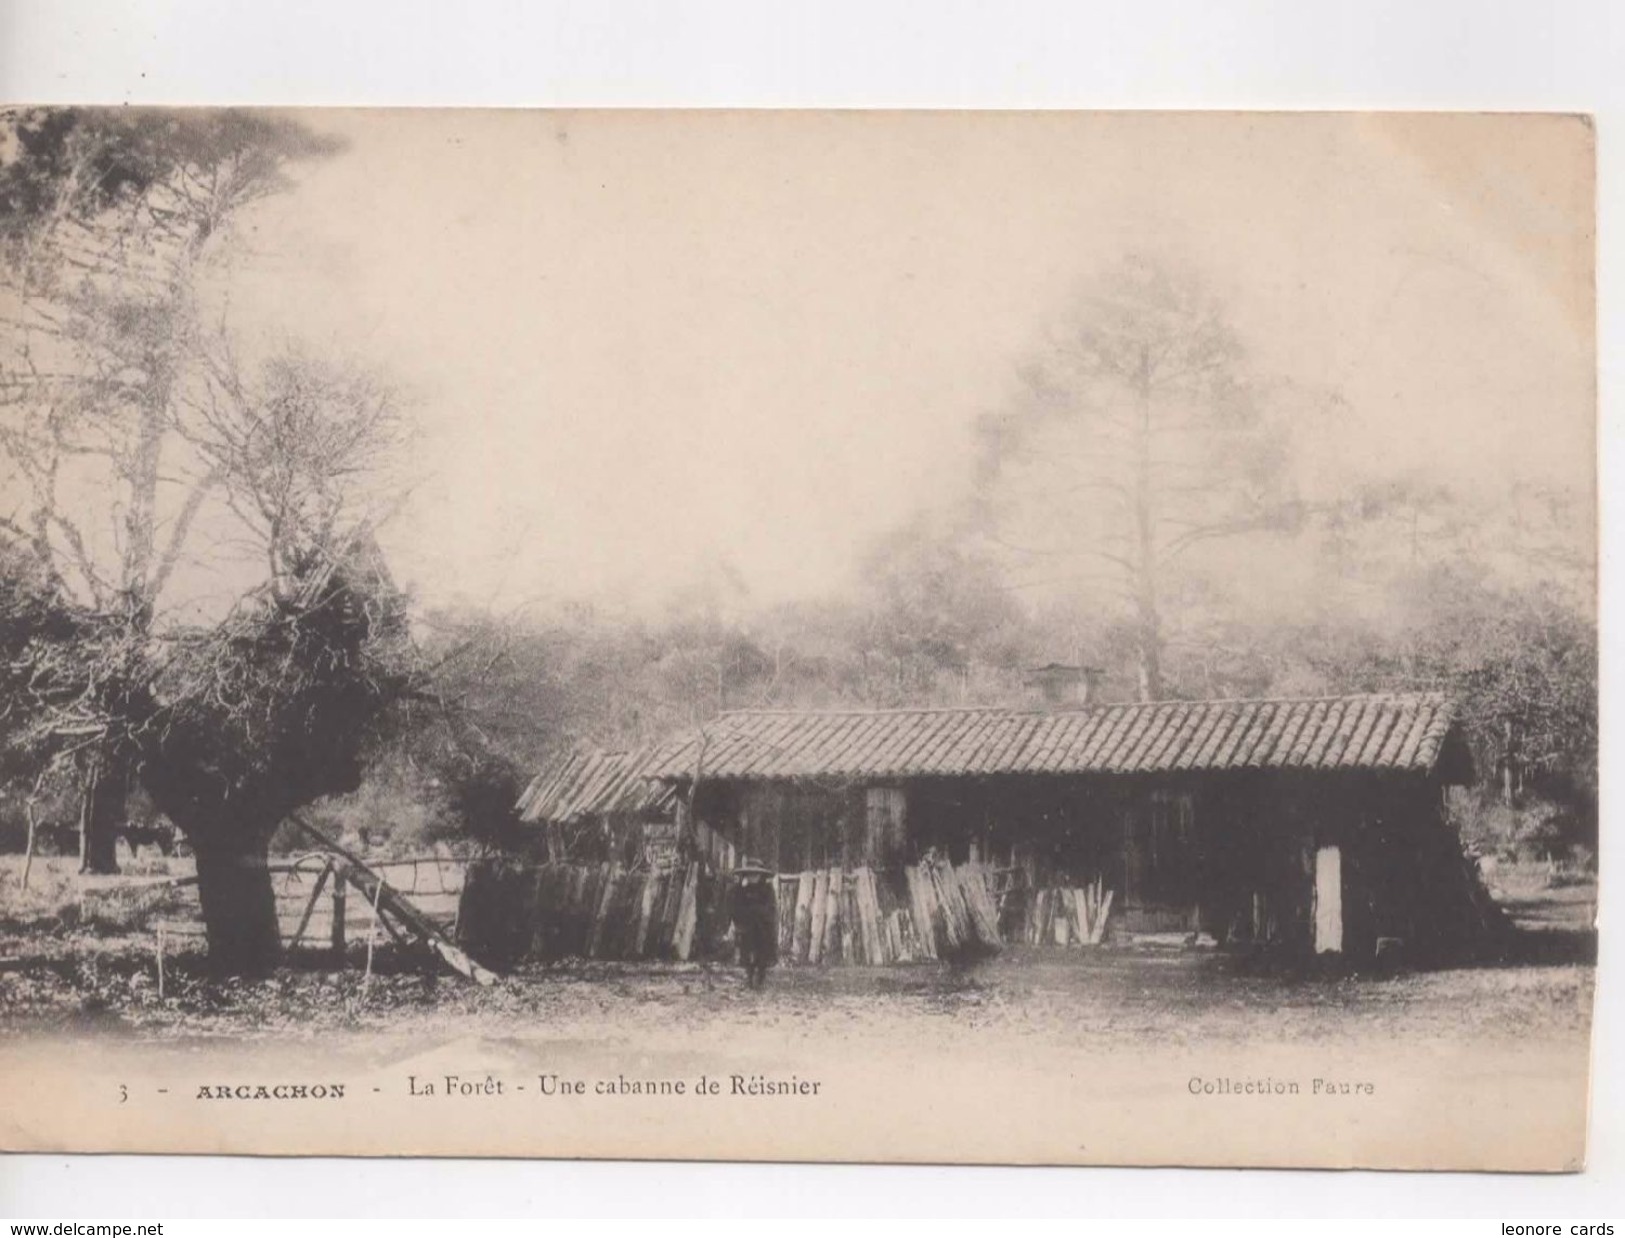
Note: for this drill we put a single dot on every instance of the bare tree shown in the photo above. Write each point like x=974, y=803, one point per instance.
x=233, y=724
x=132, y=437
x=108, y=222
x=1138, y=438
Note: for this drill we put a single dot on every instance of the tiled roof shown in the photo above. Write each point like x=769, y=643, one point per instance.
x=1390, y=732
x=588, y=783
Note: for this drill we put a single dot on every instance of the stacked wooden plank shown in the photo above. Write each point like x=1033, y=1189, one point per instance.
x=598, y=911
x=825, y=919
x=832, y=916
x=802, y=917
x=975, y=886
x=685, y=925
x=825, y=916
x=872, y=944
x=924, y=910
x=785, y=890
x=1067, y=915
x=952, y=909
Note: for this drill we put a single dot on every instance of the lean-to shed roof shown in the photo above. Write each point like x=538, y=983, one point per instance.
x=593, y=783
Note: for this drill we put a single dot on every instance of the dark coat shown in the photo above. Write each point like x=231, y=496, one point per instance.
x=753, y=907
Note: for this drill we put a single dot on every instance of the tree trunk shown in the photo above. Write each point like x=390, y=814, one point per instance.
x=1509, y=765
x=1148, y=636
x=1148, y=616
x=102, y=814
x=239, y=905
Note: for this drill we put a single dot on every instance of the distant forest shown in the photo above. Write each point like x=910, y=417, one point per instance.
x=1407, y=601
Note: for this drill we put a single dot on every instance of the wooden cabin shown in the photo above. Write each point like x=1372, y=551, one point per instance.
x=592, y=805
x=1310, y=824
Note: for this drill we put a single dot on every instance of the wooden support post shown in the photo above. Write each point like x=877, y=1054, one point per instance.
x=310, y=907
x=339, y=884
x=1328, y=901
x=372, y=935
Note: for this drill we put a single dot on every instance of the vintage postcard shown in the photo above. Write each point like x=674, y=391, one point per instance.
x=1033, y=638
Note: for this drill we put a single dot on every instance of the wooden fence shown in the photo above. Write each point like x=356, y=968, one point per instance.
x=313, y=910
x=316, y=905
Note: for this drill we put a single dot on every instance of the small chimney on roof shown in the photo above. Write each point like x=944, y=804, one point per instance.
x=1064, y=687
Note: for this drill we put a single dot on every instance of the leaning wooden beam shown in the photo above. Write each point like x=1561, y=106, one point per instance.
x=688, y=914
x=820, y=916
x=378, y=891
x=801, y=943
x=646, y=910
x=1099, y=933
x=343, y=872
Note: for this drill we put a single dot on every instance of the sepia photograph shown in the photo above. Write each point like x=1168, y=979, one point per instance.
x=1026, y=638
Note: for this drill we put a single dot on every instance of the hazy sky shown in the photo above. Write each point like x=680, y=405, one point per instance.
x=639, y=343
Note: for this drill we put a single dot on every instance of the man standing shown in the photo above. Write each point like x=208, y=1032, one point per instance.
x=754, y=910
